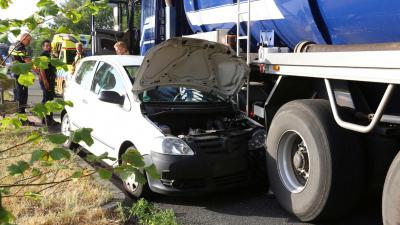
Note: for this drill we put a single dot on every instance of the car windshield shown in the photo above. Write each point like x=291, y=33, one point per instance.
x=179, y=94
x=131, y=70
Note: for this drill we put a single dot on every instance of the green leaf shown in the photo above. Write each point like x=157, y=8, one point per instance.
x=76, y=175
x=16, y=122
x=105, y=156
x=63, y=30
x=123, y=173
x=3, y=70
x=49, y=10
x=42, y=3
x=134, y=158
x=73, y=15
x=18, y=169
x=104, y=174
x=36, y=172
x=5, y=191
x=59, y=65
x=21, y=68
x=26, y=79
x=60, y=153
x=152, y=171
x=91, y=158
x=5, y=122
x=38, y=155
x=30, y=22
x=57, y=138
x=4, y=28
x=41, y=62
x=64, y=103
x=90, y=8
x=33, y=195
x=16, y=23
x=47, y=163
x=44, y=31
x=15, y=32
x=53, y=106
x=8, y=121
x=4, y=4
x=139, y=176
x=5, y=216
x=40, y=111
x=22, y=117
x=83, y=134
x=34, y=137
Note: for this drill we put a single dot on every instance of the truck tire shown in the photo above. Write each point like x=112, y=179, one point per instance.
x=316, y=169
x=391, y=194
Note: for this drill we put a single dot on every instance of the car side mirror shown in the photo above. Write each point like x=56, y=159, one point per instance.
x=111, y=97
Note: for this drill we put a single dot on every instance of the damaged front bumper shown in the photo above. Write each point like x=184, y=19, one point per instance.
x=220, y=162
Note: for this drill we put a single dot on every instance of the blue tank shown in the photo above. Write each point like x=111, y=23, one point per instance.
x=321, y=21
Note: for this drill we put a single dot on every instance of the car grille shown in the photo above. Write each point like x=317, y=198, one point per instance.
x=184, y=184
x=220, y=181
x=231, y=179
x=212, y=144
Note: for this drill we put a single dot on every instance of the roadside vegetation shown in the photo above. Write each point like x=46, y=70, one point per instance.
x=75, y=202
x=40, y=181
x=145, y=213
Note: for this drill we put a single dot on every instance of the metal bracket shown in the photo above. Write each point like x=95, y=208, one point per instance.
x=356, y=127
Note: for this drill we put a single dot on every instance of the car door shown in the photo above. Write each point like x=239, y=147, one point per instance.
x=77, y=93
x=107, y=119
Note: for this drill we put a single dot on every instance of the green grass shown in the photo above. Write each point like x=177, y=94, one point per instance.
x=147, y=214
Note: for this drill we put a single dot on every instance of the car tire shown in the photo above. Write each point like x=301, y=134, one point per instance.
x=316, y=169
x=391, y=194
x=66, y=130
x=132, y=188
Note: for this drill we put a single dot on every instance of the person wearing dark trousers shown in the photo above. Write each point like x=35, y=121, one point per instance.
x=19, y=53
x=47, y=80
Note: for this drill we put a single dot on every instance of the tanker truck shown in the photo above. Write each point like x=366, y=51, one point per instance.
x=323, y=84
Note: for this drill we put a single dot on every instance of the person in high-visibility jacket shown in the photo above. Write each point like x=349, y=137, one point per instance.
x=19, y=53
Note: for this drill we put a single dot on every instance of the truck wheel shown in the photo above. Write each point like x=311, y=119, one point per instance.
x=133, y=188
x=315, y=168
x=391, y=194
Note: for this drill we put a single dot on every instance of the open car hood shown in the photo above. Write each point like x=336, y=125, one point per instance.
x=193, y=63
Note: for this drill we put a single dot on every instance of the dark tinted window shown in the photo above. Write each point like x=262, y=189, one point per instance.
x=70, y=56
x=131, y=70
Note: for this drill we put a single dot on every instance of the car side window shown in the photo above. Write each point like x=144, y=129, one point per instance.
x=83, y=75
x=106, y=78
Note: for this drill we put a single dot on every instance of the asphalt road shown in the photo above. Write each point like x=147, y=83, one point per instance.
x=240, y=207
x=247, y=206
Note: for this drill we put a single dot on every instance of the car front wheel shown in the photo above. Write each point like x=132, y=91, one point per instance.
x=132, y=187
x=66, y=130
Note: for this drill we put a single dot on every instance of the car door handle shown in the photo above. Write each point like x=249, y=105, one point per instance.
x=85, y=101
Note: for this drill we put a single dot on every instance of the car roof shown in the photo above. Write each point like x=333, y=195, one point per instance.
x=124, y=60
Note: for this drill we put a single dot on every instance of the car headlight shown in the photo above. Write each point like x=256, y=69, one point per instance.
x=257, y=140
x=172, y=146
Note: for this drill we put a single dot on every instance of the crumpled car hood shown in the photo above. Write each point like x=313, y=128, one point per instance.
x=193, y=63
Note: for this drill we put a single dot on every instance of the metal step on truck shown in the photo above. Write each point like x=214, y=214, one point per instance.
x=323, y=84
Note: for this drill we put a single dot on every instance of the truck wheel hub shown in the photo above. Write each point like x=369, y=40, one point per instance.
x=293, y=162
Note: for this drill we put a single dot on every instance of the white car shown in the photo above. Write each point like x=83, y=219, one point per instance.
x=175, y=108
